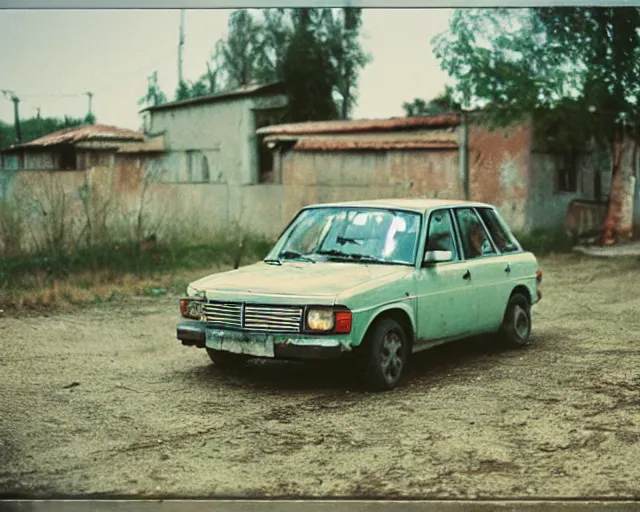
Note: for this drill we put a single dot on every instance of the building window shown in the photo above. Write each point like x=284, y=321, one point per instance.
x=265, y=163
x=68, y=158
x=197, y=167
x=266, y=117
x=190, y=165
x=205, y=169
x=568, y=174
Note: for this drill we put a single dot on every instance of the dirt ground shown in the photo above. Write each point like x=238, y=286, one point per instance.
x=107, y=401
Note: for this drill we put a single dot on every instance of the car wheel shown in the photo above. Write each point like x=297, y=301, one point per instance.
x=516, y=325
x=226, y=359
x=384, y=356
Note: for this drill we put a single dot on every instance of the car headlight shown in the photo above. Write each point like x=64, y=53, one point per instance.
x=320, y=319
x=329, y=320
x=191, y=308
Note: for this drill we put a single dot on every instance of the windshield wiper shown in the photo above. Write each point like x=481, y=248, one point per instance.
x=352, y=256
x=345, y=240
x=273, y=261
x=293, y=255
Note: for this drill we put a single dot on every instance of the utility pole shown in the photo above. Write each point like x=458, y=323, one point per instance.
x=180, y=45
x=16, y=112
x=90, y=96
x=37, y=112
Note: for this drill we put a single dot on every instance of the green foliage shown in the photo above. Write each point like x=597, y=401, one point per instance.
x=575, y=64
x=316, y=52
x=183, y=93
x=308, y=73
x=545, y=241
x=339, y=31
x=442, y=104
x=35, y=128
x=154, y=95
x=128, y=258
x=239, y=54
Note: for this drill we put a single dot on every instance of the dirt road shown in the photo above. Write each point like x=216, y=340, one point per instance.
x=107, y=401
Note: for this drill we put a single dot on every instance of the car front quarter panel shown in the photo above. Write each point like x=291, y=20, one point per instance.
x=365, y=317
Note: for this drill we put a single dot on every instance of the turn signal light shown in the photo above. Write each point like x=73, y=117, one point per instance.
x=343, y=322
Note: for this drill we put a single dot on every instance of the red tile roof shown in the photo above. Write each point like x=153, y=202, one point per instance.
x=362, y=125
x=93, y=132
x=355, y=145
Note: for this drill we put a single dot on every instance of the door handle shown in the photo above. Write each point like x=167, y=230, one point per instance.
x=508, y=269
x=467, y=275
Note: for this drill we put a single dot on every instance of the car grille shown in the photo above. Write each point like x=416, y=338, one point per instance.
x=253, y=317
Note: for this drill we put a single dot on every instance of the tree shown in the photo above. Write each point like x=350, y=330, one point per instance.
x=35, y=128
x=307, y=72
x=154, y=95
x=442, y=104
x=574, y=69
x=340, y=31
x=271, y=48
x=183, y=92
x=277, y=31
x=239, y=54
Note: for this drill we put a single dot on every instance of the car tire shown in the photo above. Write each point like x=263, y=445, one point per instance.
x=226, y=359
x=384, y=355
x=515, y=331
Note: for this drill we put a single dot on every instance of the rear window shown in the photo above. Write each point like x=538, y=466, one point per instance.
x=503, y=239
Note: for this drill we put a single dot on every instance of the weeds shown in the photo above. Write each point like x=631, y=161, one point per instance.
x=61, y=249
x=542, y=242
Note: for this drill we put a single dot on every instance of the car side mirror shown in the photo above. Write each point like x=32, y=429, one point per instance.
x=433, y=257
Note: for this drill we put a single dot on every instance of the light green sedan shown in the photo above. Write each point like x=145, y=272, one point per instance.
x=376, y=281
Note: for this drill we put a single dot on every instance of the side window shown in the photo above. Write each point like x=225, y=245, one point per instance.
x=502, y=238
x=475, y=240
x=440, y=233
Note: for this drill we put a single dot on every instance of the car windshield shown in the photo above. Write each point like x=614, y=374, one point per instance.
x=369, y=235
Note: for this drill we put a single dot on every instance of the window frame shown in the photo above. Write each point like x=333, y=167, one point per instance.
x=569, y=168
x=474, y=208
x=454, y=232
x=503, y=226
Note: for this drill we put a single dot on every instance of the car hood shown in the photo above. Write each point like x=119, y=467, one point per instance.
x=293, y=279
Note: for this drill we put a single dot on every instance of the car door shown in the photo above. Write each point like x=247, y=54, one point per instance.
x=487, y=266
x=446, y=301
x=515, y=268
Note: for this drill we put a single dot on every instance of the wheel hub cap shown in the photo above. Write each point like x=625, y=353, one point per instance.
x=391, y=357
x=521, y=322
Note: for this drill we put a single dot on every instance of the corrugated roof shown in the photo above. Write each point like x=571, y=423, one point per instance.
x=361, y=125
x=76, y=134
x=355, y=145
x=247, y=90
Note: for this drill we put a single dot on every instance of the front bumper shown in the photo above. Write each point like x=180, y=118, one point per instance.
x=280, y=346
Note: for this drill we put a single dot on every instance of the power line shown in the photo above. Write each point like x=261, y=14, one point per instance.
x=108, y=86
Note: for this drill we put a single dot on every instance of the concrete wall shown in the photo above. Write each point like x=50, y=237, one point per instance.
x=169, y=209
x=550, y=207
x=319, y=177
x=500, y=170
x=220, y=133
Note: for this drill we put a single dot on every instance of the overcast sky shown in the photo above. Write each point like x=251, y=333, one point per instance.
x=51, y=57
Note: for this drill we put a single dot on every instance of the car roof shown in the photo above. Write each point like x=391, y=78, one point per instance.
x=414, y=204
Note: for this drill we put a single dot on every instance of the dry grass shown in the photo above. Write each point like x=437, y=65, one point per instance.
x=40, y=295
